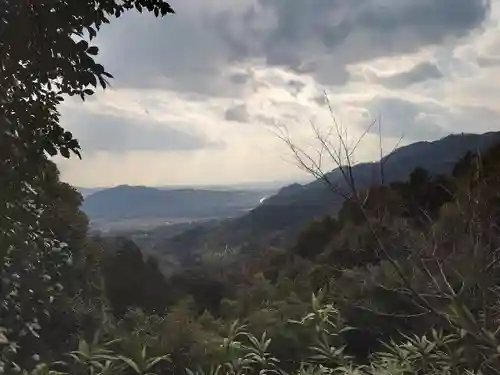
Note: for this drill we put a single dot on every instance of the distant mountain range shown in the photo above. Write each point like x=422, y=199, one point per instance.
x=85, y=192
x=263, y=185
x=128, y=206
x=280, y=217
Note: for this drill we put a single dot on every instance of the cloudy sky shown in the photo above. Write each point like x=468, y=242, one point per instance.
x=197, y=96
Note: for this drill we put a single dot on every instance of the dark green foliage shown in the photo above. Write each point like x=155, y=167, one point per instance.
x=45, y=55
x=315, y=237
x=131, y=282
x=47, y=58
x=206, y=288
x=424, y=194
x=39, y=269
x=187, y=314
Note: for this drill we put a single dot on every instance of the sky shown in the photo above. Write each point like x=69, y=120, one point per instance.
x=198, y=97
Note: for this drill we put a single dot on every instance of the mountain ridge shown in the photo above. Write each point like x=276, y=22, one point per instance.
x=283, y=215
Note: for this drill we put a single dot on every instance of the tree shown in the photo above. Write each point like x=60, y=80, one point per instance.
x=39, y=241
x=48, y=57
x=45, y=55
x=313, y=239
x=132, y=281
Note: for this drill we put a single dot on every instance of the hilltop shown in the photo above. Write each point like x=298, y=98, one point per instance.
x=279, y=219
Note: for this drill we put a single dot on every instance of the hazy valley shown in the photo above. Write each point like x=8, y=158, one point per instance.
x=180, y=224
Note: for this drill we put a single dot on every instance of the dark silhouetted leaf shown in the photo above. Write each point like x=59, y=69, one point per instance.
x=93, y=50
x=64, y=152
x=83, y=44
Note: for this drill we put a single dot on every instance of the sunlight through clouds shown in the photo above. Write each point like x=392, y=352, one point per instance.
x=214, y=80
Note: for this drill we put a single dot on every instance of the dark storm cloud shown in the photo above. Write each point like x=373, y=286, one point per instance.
x=104, y=132
x=176, y=53
x=191, y=50
x=420, y=73
x=322, y=36
x=392, y=25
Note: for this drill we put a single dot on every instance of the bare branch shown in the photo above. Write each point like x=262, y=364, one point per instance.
x=343, y=151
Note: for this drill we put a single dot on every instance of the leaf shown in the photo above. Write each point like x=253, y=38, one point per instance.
x=93, y=50
x=84, y=348
x=153, y=361
x=73, y=143
x=83, y=44
x=130, y=363
x=102, y=82
x=166, y=8
x=99, y=69
x=67, y=136
x=347, y=329
x=50, y=148
x=93, y=80
x=92, y=32
x=64, y=152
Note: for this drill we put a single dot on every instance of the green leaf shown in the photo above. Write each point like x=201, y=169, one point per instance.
x=153, y=361
x=84, y=348
x=130, y=363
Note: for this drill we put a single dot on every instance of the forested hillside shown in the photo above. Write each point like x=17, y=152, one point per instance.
x=403, y=280
x=409, y=263
x=281, y=217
